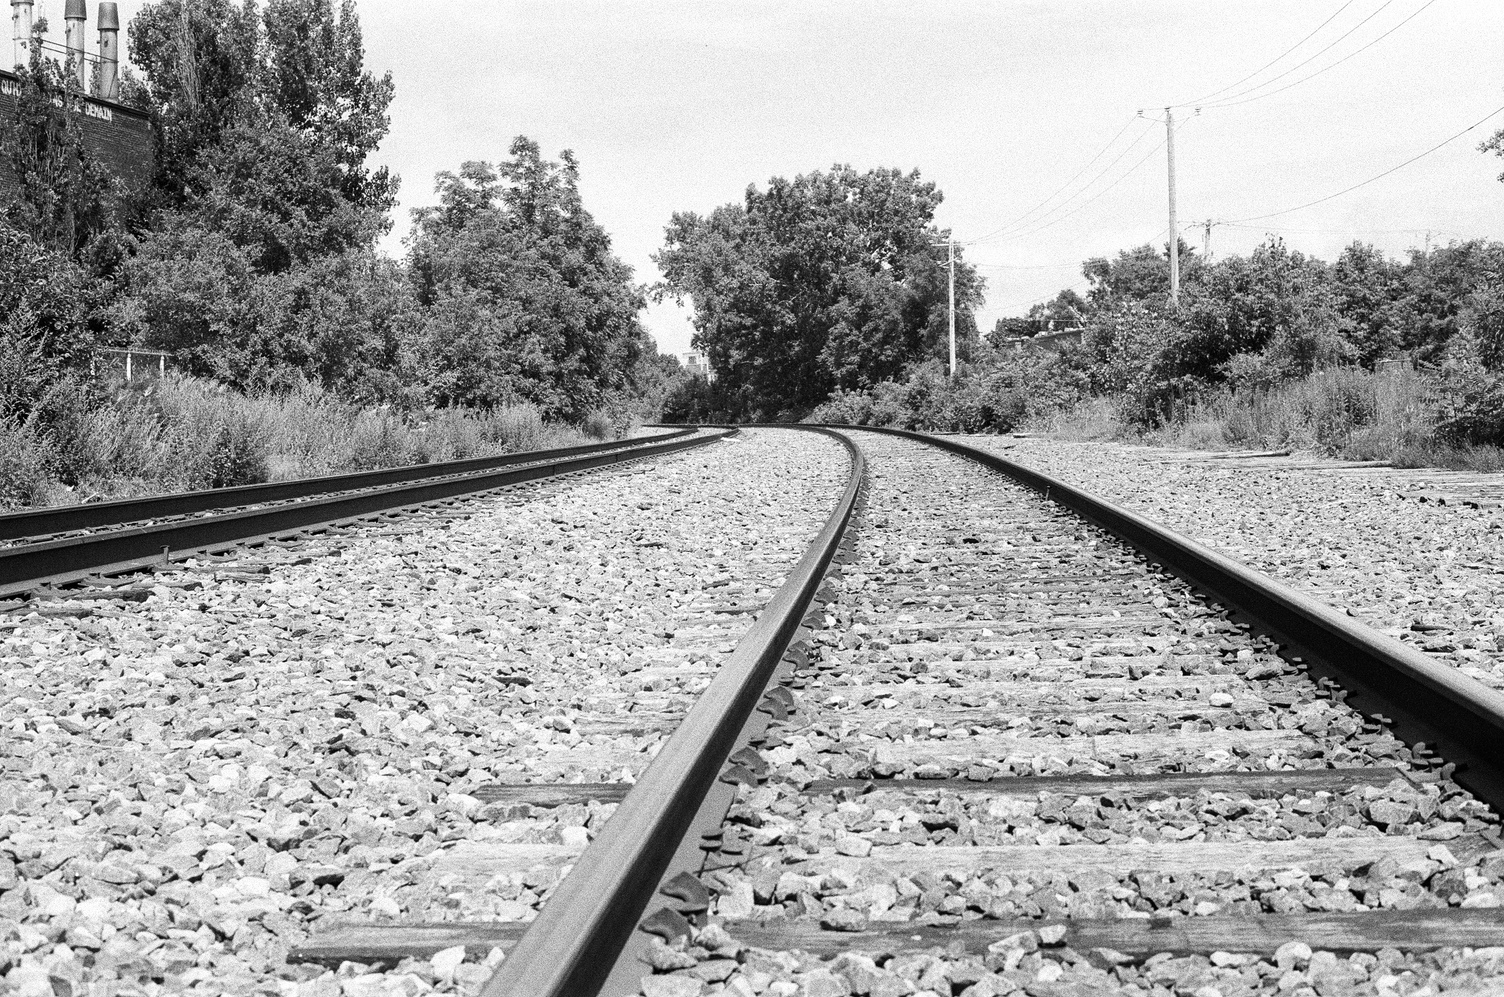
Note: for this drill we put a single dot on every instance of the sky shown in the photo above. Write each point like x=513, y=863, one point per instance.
x=680, y=106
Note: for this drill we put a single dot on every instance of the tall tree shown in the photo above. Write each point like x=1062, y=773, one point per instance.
x=267, y=216
x=832, y=279
x=316, y=79
x=525, y=299
x=66, y=197
x=201, y=66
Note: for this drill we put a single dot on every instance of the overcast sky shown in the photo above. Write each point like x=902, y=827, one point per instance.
x=674, y=106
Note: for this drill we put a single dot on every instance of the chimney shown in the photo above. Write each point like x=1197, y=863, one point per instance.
x=109, y=49
x=75, y=14
x=20, y=23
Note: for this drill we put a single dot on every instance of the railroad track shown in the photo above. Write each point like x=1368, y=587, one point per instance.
x=72, y=544
x=998, y=749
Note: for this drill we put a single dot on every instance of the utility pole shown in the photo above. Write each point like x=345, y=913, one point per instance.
x=1174, y=230
x=951, y=243
x=1206, y=244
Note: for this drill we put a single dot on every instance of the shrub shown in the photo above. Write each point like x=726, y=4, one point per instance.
x=24, y=459
x=597, y=426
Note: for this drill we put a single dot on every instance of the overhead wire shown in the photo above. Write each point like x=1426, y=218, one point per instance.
x=1292, y=48
x=1365, y=183
x=1305, y=62
x=1073, y=179
x=1010, y=266
x=1229, y=102
x=1008, y=230
x=1095, y=197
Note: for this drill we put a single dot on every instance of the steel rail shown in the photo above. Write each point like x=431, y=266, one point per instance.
x=1421, y=700
x=24, y=567
x=571, y=947
x=66, y=519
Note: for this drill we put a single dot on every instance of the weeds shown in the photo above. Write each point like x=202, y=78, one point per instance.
x=1344, y=412
x=181, y=433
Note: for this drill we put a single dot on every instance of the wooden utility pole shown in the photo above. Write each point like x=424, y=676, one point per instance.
x=951, y=243
x=1174, y=230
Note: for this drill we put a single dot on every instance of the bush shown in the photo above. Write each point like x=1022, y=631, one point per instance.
x=24, y=459
x=1470, y=395
x=597, y=426
x=181, y=433
x=977, y=400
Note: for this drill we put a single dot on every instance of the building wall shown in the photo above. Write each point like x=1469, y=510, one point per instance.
x=119, y=136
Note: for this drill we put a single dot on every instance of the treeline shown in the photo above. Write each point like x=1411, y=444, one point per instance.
x=251, y=253
x=1243, y=326
x=832, y=281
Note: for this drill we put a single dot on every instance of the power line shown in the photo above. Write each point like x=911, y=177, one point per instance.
x=1307, y=61
x=1336, y=231
x=1009, y=266
x=1271, y=62
x=1063, y=186
x=1234, y=103
x=1365, y=183
x=1078, y=286
x=1009, y=230
x=1095, y=197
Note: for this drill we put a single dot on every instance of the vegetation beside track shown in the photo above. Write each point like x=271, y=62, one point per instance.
x=1367, y=358
x=182, y=433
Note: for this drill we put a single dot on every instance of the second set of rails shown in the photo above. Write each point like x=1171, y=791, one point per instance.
x=991, y=735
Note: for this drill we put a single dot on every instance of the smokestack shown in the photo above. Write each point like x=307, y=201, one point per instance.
x=76, y=14
x=20, y=24
x=109, y=49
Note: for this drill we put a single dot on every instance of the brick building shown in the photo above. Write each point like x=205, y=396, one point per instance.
x=120, y=136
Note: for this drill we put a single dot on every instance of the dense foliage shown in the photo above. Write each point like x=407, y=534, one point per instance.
x=251, y=254
x=832, y=280
x=1244, y=328
x=522, y=295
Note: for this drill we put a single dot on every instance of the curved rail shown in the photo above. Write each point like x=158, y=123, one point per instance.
x=26, y=566
x=574, y=945
x=571, y=947
x=66, y=519
x=1421, y=700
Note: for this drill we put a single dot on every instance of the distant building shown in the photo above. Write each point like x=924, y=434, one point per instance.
x=698, y=363
x=120, y=137
x=1053, y=340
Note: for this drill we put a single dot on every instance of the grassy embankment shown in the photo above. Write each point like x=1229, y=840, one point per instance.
x=1344, y=412
x=180, y=433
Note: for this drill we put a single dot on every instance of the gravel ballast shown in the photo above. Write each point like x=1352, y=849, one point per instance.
x=1069, y=737
x=1356, y=538
x=197, y=774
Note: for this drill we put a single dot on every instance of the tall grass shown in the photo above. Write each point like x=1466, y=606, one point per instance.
x=1344, y=412
x=181, y=433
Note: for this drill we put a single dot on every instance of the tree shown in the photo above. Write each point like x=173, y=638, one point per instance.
x=258, y=264
x=830, y=280
x=1138, y=274
x=1066, y=310
x=1275, y=297
x=1367, y=285
x=1437, y=286
x=212, y=67
x=66, y=197
x=316, y=80
x=524, y=298
x=201, y=66
x=44, y=333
